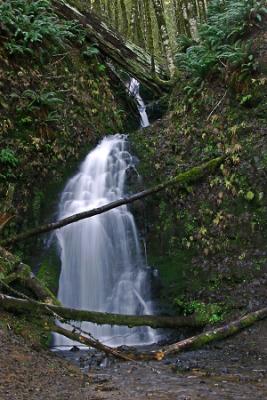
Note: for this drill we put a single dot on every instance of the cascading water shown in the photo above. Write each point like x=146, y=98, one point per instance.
x=134, y=87
x=102, y=265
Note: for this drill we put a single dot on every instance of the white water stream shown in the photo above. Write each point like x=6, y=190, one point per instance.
x=134, y=88
x=103, y=268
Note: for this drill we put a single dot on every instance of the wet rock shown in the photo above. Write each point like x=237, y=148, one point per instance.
x=184, y=365
x=104, y=388
x=99, y=379
x=167, y=362
x=106, y=362
x=225, y=371
x=75, y=349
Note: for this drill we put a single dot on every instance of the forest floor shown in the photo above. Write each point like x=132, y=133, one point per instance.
x=232, y=369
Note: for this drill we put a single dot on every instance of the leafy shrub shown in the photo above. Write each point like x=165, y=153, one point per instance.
x=41, y=99
x=28, y=23
x=8, y=163
x=91, y=51
x=8, y=157
x=219, y=47
x=212, y=312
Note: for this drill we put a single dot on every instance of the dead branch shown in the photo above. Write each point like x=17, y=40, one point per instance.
x=191, y=176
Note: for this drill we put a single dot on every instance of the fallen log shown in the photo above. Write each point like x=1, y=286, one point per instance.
x=195, y=342
x=13, y=269
x=90, y=342
x=198, y=341
x=185, y=178
x=133, y=59
x=12, y=304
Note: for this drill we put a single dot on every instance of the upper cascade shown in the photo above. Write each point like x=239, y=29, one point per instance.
x=134, y=90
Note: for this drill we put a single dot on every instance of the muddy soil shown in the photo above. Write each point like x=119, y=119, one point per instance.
x=233, y=369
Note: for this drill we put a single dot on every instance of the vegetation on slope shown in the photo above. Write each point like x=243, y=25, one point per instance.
x=210, y=243
x=55, y=101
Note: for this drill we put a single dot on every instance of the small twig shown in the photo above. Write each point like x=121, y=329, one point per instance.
x=217, y=105
x=59, y=60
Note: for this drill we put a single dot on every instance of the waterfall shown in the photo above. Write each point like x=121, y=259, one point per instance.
x=102, y=266
x=134, y=87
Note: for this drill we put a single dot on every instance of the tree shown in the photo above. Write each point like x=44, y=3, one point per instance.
x=162, y=26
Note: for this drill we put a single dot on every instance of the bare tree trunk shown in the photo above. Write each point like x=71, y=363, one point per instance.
x=139, y=26
x=164, y=34
x=191, y=176
x=124, y=16
x=132, y=20
x=149, y=31
x=116, y=14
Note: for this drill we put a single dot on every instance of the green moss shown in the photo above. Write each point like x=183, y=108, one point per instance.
x=49, y=270
x=177, y=276
x=207, y=312
x=35, y=331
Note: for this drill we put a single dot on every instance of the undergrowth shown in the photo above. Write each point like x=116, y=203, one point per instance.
x=220, y=49
x=27, y=24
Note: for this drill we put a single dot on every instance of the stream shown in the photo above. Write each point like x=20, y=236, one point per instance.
x=234, y=369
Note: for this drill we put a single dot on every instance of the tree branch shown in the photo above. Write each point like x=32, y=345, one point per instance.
x=185, y=178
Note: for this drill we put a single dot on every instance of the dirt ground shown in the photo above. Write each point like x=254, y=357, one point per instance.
x=233, y=369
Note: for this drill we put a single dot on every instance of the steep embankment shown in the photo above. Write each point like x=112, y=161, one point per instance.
x=210, y=242
x=56, y=101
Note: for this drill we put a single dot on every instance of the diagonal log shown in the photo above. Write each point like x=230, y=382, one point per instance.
x=130, y=57
x=14, y=304
x=215, y=334
x=186, y=178
x=198, y=341
x=78, y=337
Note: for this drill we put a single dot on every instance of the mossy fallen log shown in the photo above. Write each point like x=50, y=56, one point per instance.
x=13, y=304
x=193, y=175
x=41, y=309
x=198, y=341
x=12, y=269
x=131, y=58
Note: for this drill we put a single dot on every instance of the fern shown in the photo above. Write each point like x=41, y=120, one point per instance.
x=45, y=99
x=219, y=46
x=28, y=23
